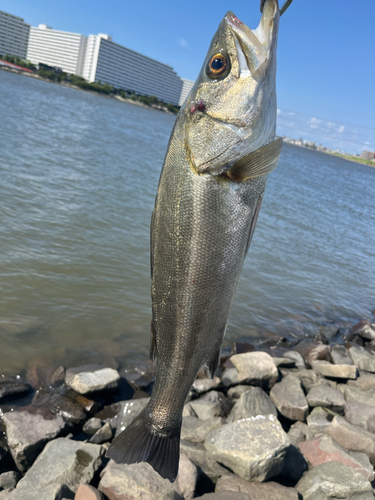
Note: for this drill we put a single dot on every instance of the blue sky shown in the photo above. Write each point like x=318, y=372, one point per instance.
x=326, y=55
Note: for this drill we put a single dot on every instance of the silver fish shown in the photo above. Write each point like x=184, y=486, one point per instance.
x=221, y=149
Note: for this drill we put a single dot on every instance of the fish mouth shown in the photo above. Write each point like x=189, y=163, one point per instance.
x=255, y=47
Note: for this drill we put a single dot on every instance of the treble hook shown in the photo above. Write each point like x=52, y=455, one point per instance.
x=283, y=9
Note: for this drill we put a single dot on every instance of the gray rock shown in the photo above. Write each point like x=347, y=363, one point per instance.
x=364, y=329
x=256, y=368
x=92, y=425
x=220, y=398
x=351, y=437
x=135, y=482
x=206, y=409
x=252, y=403
x=234, y=393
x=354, y=395
x=230, y=377
x=103, y=435
x=362, y=358
x=340, y=355
x=91, y=378
x=197, y=453
x=289, y=398
x=224, y=495
x=28, y=431
x=9, y=479
x=187, y=478
x=58, y=404
x=327, y=398
x=362, y=415
x=49, y=492
x=284, y=362
x=299, y=431
x=62, y=462
x=256, y=491
x=365, y=382
x=333, y=480
x=128, y=410
x=188, y=411
x=254, y=448
x=318, y=420
x=202, y=385
x=296, y=357
x=329, y=331
x=335, y=371
x=311, y=351
x=195, y=430
x=308, y=378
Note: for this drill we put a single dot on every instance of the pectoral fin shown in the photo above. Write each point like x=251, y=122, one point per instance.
x=259, y=162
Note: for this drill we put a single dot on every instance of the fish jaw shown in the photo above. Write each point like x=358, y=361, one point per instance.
x=230, y=117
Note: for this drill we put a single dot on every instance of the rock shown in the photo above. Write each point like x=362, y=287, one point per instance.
x=50, y=492
x=351, y=437
x=230, y=377
x=202, y=385
x=195, y=430
x=242, y=347
x=254, y=448
x=327, y=398
x=89, y=405
x=311, y=351
x=322, y=449
x=220, y=398
x=102, y=435
x=140, y=376
x=295, y=465
x=318, y=420
x=92, y=425
x=224, y=495
x=13, y=388
x=362, y=415
x=308, y=378
x=296, y=435
x=62, y=462
x=364, y=329
x=128, y=410
x=87, y=492
x=135, y=482
x=363, y=359
x=333, y=480
x=197, y=453
x=296, y=357
x=335, y=371
x=256, y=368
x=340, y=355
x=91, y=378
x=256, y=491
x=365, y=382
x=206, y=409
x=69, y=410
x=234, y=393
x=9, y=479
x=289, y=398
x=329, y=331
x=58, y=376
x=284, y=362
x=187, y=478
x=28, y=431
x=354, y=395
x=252, y=403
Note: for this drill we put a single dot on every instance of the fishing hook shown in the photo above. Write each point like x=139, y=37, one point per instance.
x=283, y=9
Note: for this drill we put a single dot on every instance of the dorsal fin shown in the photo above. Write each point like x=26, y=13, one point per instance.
x=259, y=162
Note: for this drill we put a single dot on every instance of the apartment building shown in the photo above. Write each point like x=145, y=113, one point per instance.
x=14, y=35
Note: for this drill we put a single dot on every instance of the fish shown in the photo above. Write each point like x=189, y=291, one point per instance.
x=221, y=150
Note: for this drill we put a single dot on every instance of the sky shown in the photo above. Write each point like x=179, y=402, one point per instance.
x=326, y=53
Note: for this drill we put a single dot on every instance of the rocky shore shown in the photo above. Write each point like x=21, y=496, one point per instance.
x=277, y=422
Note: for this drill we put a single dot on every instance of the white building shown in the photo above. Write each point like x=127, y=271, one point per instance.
x=57, y=48
x=187, y=85
x=14, y=35
x=128, y=70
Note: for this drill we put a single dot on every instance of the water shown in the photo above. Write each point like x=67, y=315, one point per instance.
x=79, y=174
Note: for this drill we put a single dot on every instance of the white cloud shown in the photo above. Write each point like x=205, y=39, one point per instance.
x=341, y=129
x=183, y=43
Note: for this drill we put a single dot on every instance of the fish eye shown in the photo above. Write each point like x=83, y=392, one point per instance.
x=218, y=66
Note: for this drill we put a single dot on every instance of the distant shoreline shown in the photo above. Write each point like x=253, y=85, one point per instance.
x=75, y=87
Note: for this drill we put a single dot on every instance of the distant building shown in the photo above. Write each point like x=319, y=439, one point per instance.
x=368, y=155
x=14, y=35
x=187, y=85
x=59, y=49
x=125, y=69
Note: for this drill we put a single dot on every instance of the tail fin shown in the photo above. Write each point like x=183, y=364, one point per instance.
x=139, y=443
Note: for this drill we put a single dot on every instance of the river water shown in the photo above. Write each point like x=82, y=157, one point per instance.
x=78, y=177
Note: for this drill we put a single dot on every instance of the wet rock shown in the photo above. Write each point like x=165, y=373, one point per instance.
x=28, y=431
x=128, y=410
x=87, y=492
x=289, y=398
x=136, y=482
x=333, y=480
x=102, y=435
x=362, y=358
x=327, y=397
x=256, y=368
x=335, y=371
x=318, y=420
x=196, y=430
x=322, y=449
x=362, y=415
x=364, y=329
x=296, y=357
x=140, y=376
x=92, y=425
x=252, y=403
x=224, y=495
x=91, y=378
x=59, y=405
x=253, y=448
x=58, y=376
x=329, y=331
x=230, y=377
x=202, y=385
x=187, y=478
x=256, y=491
x=9, y=479
x=242, y=347
x=311, y=351
x=89, y=405
x=62, y=462
x=340, y=355
x=197, y=453
x=13, y=388
x=351, y=437
x=354, y=395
